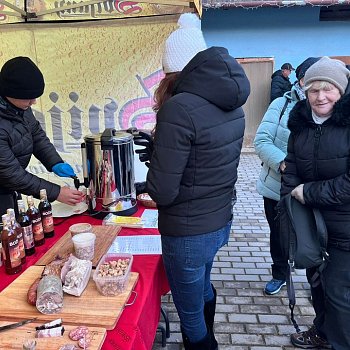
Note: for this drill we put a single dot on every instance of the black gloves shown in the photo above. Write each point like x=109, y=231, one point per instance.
x=140, y=187
x=145, y=140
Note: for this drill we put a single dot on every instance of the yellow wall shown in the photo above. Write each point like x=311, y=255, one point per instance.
x=97, y=74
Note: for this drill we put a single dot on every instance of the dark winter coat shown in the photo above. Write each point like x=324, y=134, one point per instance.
x=197, y=145
x=21, y=136
x=279, y=85
x=319, y=157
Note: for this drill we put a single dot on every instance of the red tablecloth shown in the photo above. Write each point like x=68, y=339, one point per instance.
x=138, y=323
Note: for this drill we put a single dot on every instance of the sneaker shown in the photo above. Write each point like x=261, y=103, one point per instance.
x=309, y=339
x=274, y=286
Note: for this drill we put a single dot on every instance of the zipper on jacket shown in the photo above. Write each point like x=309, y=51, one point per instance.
x=317, y=135
x=267, y=173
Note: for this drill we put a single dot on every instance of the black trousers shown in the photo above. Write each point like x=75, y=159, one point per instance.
x=331, y=300
x=279, y=265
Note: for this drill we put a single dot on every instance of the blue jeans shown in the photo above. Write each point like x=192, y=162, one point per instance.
x=188, y=261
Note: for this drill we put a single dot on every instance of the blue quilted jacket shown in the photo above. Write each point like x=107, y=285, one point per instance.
x=270, y=144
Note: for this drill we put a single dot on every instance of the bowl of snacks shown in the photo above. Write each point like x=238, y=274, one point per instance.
x=112, y=273
x=146, y=200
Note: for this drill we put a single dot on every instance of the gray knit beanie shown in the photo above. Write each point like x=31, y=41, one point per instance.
x=330, y=70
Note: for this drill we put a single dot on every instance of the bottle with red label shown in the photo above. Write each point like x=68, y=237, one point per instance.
x=35, y=218
x=45, y=210
x=26, y=224
x=17, y=227
x=10, y=249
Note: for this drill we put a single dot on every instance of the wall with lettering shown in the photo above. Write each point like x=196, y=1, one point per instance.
x=98, y=75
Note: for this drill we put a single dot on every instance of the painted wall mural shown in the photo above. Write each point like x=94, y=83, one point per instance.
x=97, y=75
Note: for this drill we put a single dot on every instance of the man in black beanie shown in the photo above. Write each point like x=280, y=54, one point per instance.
x=21, y=136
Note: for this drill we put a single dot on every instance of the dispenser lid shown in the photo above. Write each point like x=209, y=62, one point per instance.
x=118, y=137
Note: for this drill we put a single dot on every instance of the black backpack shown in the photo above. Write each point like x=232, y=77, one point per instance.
x=303, y=241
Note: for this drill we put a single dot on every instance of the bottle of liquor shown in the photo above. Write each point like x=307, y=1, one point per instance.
x=10, y=249
x=17, y=227
x=45, y=210
x=37, y=226
x=26, y=224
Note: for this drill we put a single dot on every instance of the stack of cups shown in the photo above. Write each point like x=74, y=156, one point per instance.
x=80, y=228
x=84, y=245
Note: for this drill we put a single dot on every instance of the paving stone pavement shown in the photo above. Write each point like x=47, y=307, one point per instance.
x=246, y=318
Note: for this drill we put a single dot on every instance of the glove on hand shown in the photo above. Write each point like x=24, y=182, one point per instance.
x=63, y=170
x=140, y=187
x=146, y=141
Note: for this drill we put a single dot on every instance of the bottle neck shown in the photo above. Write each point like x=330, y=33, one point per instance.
x=21, y=210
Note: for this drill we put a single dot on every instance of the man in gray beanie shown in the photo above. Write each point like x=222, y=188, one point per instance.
x=317, y=175
x=21, y=136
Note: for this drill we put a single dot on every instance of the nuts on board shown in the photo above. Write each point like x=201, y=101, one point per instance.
x=112, y=273
x=114, y=268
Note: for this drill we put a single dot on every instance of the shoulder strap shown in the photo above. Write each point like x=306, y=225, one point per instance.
x=284, y=109
x=322, y=231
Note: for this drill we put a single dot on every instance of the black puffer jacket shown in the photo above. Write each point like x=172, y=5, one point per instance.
x=197, y=145
x=279, y=85
x=21, y=136
x=319, y=157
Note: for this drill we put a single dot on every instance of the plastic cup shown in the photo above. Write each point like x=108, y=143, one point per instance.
x=80, y=228
x=84, y=245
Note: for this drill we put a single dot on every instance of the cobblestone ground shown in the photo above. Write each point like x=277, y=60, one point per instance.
x=246, y=318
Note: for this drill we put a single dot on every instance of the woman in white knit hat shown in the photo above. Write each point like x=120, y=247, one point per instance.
x=317, y=174
x=193, y=169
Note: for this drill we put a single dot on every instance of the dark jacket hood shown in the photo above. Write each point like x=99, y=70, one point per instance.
x=300, y=116
x=215, y=76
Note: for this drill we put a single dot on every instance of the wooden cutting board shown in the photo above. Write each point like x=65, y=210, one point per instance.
x=14, y=338
x=90, y=309
x=105, y=235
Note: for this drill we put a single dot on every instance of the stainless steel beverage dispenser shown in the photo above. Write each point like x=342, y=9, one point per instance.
x=108, y=167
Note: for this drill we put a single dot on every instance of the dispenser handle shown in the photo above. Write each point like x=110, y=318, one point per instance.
x=84, y=160
x=107, y=139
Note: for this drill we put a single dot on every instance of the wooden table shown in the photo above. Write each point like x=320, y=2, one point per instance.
x=138, y=323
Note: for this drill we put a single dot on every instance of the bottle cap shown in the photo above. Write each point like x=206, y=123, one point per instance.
x=20, y=204
x=5, y=219
x=11, y=213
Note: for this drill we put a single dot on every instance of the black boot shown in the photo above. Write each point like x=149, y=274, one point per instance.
x=209, y=314
x=204, y=344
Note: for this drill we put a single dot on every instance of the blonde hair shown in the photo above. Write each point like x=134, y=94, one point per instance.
x=320, y=85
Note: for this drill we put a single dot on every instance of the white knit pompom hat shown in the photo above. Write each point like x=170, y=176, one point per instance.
x=183, y=44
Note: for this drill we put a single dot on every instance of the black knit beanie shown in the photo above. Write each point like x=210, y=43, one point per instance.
x=21, y=78
x=304, y=66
